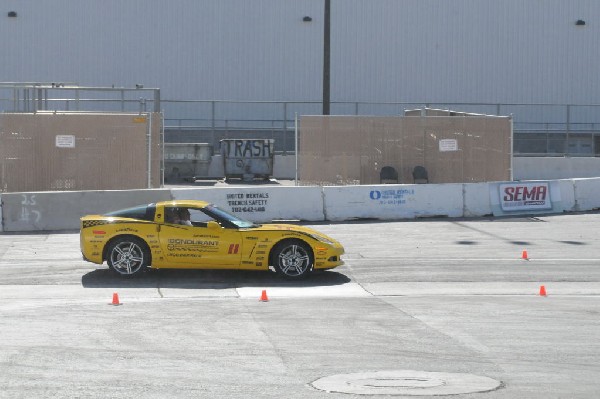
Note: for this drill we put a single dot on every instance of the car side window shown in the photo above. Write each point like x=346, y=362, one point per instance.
x=171, y=215
x=199, y=218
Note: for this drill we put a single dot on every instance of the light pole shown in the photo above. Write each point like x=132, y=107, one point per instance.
x=326, y=57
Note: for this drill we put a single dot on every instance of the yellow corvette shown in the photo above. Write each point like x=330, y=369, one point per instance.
x=198, y=235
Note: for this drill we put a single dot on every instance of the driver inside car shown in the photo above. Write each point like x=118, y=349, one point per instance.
x=172, y=216
x=184, y=217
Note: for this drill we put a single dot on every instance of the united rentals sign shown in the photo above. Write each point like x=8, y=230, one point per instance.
x=525, y=196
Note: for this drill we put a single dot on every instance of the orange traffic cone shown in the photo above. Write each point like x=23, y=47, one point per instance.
x=524, y=255
x=542, y=290
x=115, y=300
x=263, y=296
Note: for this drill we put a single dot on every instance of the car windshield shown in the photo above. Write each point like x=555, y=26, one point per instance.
x=234, y=220
x=142, y=212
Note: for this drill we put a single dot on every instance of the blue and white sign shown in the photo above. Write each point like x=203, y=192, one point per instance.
x=391, y=202
x=391, y=197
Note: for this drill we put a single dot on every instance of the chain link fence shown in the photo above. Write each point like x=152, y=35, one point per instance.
x=539, y=129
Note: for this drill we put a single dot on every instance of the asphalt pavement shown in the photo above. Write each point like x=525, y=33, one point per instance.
x=422, y=308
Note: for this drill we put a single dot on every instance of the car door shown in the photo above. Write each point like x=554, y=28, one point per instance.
x=201, y=245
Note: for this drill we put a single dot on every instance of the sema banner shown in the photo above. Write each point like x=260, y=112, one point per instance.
x=525, y=196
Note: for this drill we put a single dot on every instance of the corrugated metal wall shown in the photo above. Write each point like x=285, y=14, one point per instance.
x=469, y=50
x=191, y=49
x=384, y=50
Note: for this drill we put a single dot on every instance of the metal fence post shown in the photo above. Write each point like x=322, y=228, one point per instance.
x=162, y=146
x=212, y=124
x=296, y=148
x=157, y=107
x=149, y=136
x=568, y=129
x=285, y=128
x=40, y=105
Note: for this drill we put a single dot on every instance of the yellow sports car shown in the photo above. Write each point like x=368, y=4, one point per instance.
x=198, y=235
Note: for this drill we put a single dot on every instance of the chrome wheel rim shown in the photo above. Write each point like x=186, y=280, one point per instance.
x=293, y=260
x=127, y=258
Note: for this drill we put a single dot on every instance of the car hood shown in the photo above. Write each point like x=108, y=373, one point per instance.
x=293, y=227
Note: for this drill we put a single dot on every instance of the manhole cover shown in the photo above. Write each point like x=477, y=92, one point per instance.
x=406, y=382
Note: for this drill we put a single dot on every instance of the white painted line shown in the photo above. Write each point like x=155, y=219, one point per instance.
x=482, y=288
x=198, y=293
x=348, y=290
x=58, y=292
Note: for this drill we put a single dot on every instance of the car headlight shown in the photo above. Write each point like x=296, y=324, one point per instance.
x=321, y=239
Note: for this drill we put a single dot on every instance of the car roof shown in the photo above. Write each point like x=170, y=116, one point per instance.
x=184, y=203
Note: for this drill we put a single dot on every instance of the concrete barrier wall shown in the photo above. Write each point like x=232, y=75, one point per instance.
x=476, y=200
x=39, y=211
x=567, y=194
x=61, y=210
x=389, y=202
x=586, y=194
x=262, y=203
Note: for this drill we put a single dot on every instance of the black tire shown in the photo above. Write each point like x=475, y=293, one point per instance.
x=128, y=256
x=292, y=259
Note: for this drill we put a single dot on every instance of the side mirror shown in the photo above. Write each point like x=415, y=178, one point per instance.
x=213, y=225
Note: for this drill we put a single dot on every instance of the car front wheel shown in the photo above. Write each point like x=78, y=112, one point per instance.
x=128, y=256
x=293, y=259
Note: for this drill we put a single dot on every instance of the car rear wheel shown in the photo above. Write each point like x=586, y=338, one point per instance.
x=128, y=256
x=293, y=259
